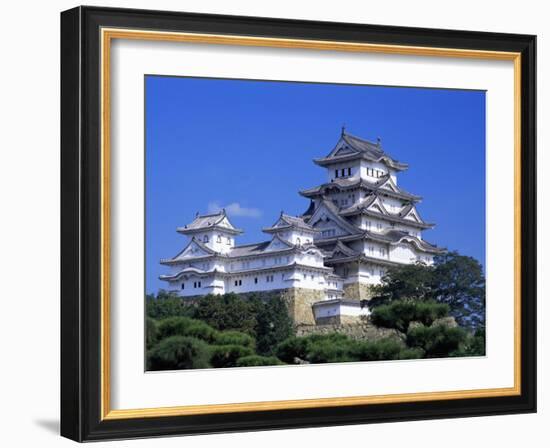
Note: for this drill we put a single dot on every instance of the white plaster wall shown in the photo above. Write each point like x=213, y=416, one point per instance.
x=376, y=166
x=355, y=170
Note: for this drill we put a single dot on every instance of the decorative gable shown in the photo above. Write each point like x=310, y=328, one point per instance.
x=329, y=223
x=277, y=244
x=378, y=207
x=193, y=250
x=389, y=184
x=412, y=215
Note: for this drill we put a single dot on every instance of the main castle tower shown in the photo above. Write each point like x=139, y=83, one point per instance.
x=365, y=221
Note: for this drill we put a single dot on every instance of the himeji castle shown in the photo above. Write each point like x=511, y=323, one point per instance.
x=322, y=263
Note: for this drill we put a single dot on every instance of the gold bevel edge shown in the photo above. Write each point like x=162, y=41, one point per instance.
x=111, y=33
x=306, y=403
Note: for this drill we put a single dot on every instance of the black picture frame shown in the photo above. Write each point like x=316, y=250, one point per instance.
x=81, y=224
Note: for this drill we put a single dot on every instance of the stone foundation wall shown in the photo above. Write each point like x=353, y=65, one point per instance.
x=357, y=291
x=363, y=330
x=337, y=320
x=299, y=302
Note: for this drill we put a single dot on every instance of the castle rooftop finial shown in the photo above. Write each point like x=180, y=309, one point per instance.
x=343, y=129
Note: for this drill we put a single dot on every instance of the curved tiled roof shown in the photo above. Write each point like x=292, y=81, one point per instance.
x=362, y=208
x=346, y=183
x=355, y=147
x=289, y=221
x=208, y=222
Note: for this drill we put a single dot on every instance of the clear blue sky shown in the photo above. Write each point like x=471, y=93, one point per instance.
x=249, y=145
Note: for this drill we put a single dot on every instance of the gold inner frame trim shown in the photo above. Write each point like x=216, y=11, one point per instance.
x=107, y=35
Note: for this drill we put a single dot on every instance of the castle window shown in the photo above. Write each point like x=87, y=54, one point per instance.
x=336, y=173
x=349, y=171
x=236, y=282
x=219, y=239
x=298, y=241
x=228, y=240
x=205, y=239
x=200, y=284
x=183, y=286
x=256, y=280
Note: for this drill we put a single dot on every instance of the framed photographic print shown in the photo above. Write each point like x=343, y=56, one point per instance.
x=276, y=224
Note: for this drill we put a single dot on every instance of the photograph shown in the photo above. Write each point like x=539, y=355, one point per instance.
x=296, y=223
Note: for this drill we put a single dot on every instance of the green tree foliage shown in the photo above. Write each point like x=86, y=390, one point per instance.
x=232, y=337
x=227, y=312
x=184, y=326
x=454, y=279
x=257, y=360
x=273, y=325
x=336, y=347
x=437, y=341
x=460, y=283
x=474, y=345
x=228, y=355
x=333, y=348
x=383, y=349
x=411, y=281
x=399, y=314
x=166, y=305
x=179, y=352
x=151, y=332
x=292, y=348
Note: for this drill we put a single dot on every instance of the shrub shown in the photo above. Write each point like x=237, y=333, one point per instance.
x=227, y=355
x=293, y=347
x=184, y=326
x=331, y=350
x=167, y=305
x=474, y=345
x=179, y=352
x=273, y=325
x=232, y=337
x=227, y=312
x=436, y=342
x=384, y=349
x=151, y=332
x=427, y=312
x=400, y=313
x=257, y=360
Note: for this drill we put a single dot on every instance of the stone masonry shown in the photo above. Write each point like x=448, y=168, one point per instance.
x=357, y=291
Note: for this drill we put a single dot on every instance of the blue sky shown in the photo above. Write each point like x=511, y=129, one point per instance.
x=248, y=146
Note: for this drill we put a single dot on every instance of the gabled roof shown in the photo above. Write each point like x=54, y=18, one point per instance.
x=341, y=250
x=350, y=147
x=334, y=214
x=204, y=251
x=367, y=207
x=211, y=221
x=397, y=236
x=287, y=222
